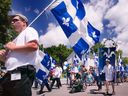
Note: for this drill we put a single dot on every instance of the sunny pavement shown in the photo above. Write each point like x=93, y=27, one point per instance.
x=121, y=90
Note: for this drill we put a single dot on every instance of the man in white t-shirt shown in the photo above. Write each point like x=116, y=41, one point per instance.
x=56, y=76
x=19, y=56
x=109, y=76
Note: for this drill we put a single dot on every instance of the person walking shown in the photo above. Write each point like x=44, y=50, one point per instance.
x=45, y=82
x=59, y=75
x=97, y=79
x=56, y=76
x=109, y=76
x=68, y=74
x=19, y=56
x=117, y=68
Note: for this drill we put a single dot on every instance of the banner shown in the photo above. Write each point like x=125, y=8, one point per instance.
x=106, y=53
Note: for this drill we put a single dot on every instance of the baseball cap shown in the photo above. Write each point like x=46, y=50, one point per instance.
x=21, y=16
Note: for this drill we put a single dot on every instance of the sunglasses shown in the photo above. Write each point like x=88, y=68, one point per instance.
x=15, y=20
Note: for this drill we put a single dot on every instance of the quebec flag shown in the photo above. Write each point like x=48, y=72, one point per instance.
x=76, y=60
x=53, y=62
x=107, y=53
x=71, y=16
x=96, y=59
x=46, y=61
x=85, y=58
x=43, y=65
x=119, y=60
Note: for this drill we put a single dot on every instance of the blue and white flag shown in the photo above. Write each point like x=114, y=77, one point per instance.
x=46, y=61
x=76, y=60
x=107, y=53
x=71, y=16
x=41, y=71
x=119, y=60
x=53, y=62
x=43, y=65
x=85, y=58
x=96, y=59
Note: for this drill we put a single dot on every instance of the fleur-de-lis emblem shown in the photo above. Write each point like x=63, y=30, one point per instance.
x=83, y=51
x=109, y=54
x=49, y=63
x=66, y=21
x=93, y=34
x=44, y=76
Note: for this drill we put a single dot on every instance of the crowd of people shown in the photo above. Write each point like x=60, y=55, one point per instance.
x=108, y=76
x=79, y=77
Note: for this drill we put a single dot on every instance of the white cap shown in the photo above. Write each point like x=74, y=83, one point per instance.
x=22, y=16
x=107, y=60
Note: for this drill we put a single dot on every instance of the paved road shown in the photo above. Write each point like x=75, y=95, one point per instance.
x=121, y=90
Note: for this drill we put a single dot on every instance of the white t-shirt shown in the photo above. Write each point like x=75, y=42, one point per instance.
x=56, y=72
x=60, y=72
x=17, y=58
x=75, y=70
x=108, y=70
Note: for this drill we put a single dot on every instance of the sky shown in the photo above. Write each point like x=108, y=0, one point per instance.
x=108, y=16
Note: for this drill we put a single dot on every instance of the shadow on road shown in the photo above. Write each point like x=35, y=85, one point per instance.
x=95, y=91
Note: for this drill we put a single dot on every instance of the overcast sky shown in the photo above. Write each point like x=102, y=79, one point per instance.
x=108, y=16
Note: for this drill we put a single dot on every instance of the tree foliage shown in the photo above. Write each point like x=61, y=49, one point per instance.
x=59, y=53
x=125, y=60
x=4, y=20
x=96, y=47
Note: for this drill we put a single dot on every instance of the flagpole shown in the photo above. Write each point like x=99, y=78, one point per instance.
x=41, y=13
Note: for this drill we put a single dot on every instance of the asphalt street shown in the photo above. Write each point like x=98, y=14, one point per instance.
x=121, y=90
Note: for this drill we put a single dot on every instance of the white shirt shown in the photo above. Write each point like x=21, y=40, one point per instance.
x=56, y=72
x=75, y=70
x=60, y=72
x=108, y=70
x=17, y=58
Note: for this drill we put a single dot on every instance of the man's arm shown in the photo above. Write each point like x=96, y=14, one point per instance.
x=3, y=55
x=30, y=46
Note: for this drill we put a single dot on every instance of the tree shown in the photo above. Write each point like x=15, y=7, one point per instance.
x=4, y=20
x=41, y=47
x=59, y=53
x=96, y=47
x=125, y=60
x=119, y=52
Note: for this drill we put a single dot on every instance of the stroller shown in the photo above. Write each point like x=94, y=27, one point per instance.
x=77, y=85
